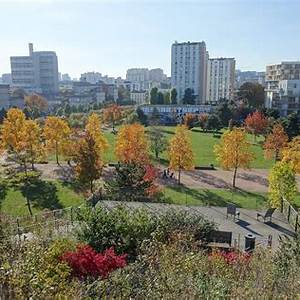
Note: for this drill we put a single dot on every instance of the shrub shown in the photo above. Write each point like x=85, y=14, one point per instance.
x=85, y=262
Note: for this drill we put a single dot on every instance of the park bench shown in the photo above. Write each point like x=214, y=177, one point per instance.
x=232, y=210
x=268, y=214
x=220, y=240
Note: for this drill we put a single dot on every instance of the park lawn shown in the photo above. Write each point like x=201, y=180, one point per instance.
x=14, y=203
x=218, y=197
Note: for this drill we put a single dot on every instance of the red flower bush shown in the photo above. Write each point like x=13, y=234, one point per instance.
x=85, y=261
x=231, y=257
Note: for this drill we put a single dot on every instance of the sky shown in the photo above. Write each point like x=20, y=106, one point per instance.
x=110, y=36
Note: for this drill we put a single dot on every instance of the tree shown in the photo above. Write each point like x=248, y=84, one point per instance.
x=223, y=112
x=180, y=151
x=153, y=95
x=275, y=142
x=167, y=98
x=213, y=123
x=203, y=121
x=131, y=182
x=112, y=114
x=56, y=133
x=142, y=117
x=173, y=96
x=233, y=151
x=93, y=128
x=256, y=123
x=291, y=154
x=190, y=120
x=123, y=93
x=132, y=145
x=3, y=113
x=291, y=125
x=282, y=184
x=158, y=141
x=254, y=93
x=35, y=105
x=13, y=135
x=160, y=98
x=189, y=96
x=32, y=145
x=88, y=161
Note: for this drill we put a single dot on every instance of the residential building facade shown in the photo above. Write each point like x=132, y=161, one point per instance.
x=242, y=77
x=139, y=97
x=220, y=79
x=189, y=69
x=37, y=72
x=4, y=96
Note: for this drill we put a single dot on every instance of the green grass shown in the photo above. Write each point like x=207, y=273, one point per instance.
x=218, y=197
x=203, y=146
x=14, y=203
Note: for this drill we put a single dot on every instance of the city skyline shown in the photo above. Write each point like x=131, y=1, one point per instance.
x=99, y=36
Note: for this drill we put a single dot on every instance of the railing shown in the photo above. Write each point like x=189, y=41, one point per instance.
x=291, y=214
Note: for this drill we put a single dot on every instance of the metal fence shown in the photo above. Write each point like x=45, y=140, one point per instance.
x=291, y=214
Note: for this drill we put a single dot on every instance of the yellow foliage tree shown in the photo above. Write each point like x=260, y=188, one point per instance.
x=112, y=114
x=93, y=128
x=291, y=153
x=12, y=133
x=233, y=151
x=56, y=133
x=35, y=104
x=132, y=145
x=180, y=151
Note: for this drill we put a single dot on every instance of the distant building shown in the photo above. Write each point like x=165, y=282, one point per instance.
x=220, y=79
x=242, y=77
x=157, y=75
x=139, y=97
x=6, y=78
x=65, y=77
x=4, y=96
x=37, y=72
x=139, y=78
x=283, y=87
x=189, y=69
x=91, y=77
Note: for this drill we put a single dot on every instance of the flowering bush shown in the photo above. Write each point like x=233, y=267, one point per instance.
x=85, y=261
x=231, y=257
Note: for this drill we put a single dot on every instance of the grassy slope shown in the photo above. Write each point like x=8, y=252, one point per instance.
x=15, y=204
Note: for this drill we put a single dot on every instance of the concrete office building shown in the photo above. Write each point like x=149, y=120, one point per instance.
x=91, y=77
x=37, y=72
x=220, y=79
x=189, y=69
x=242, y=77
x=4, y=96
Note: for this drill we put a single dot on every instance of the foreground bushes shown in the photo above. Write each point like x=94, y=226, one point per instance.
x=126, y=230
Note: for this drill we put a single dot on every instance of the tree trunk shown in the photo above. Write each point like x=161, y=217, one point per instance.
x=91, y=186
x=56, y=153
x=156, y=154
x=29, y=206
x=179, y=175
x=234, y=177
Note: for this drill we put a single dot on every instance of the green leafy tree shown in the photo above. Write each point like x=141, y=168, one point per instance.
x=224, y=112
x=167, y=98
x=158, y=141
x=173, y=97
x=282, y=183
x=213, y=123
x=254, y=93
x=142, y=117
x=291, y=125
x=154, y=96
x=189, y=96
x=160, y=98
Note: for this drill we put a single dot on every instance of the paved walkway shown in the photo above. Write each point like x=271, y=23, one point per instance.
x=247, y=223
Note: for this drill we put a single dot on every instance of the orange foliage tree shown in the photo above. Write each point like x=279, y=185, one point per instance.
x=275, y=142
x=190, y=120
x=203, y=120
x=112, y=114
x=291, y=153
x=233, y=151
x=56, y=133
x=180, y=151
x=35, y=105
x=132, y=145
x=256, y=123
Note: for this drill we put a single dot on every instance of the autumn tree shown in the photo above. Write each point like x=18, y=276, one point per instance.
x=190, y=120
x=282, y=184
x=158, y=141
x=233, y=151
x=112, y=114
x=275, y=142
x=256, y=123
x=132, y=145
x=12, y=135
x=56, y=133
x=203, y=121
x=35, y=104
x=291, y=153
x=180, y=151
x=88, y=161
